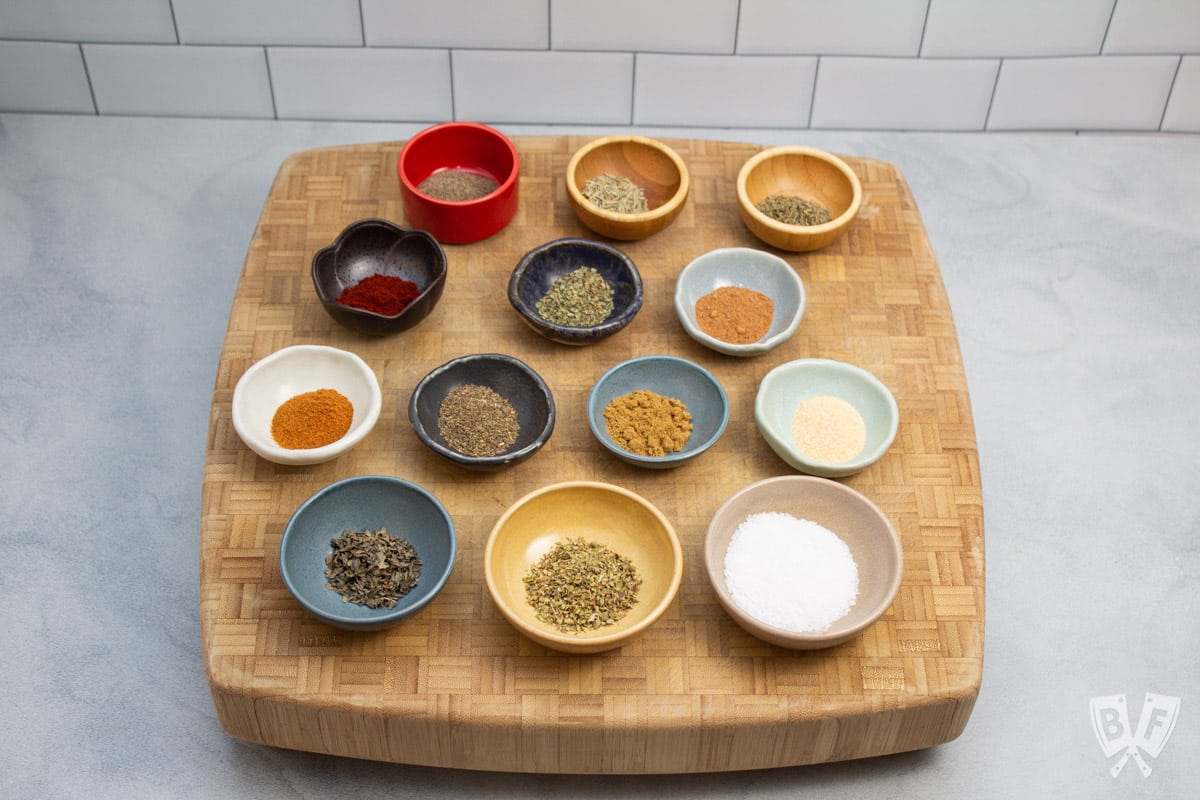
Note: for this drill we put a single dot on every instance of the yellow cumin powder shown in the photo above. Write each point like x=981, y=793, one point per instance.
x=648, y=424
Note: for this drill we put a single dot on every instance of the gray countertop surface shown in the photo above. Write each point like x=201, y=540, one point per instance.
x=1072, y=264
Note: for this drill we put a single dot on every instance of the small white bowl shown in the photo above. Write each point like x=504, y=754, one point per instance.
x=789, y=384
x=272, y=381
x=748, y=268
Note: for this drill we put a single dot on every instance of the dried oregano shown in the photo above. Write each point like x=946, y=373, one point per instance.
x=580, y=585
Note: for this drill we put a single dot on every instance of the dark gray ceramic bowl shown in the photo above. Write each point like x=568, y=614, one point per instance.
x=361, y=503
x=538, y=269
x=509, y=377
x=688, y=382
x=371, y=246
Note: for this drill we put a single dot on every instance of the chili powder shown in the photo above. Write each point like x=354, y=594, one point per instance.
x=312, y=419
x=382, y=294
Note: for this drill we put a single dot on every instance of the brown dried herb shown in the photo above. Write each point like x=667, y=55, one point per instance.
x=615, y=193
x=792, y=210
x=371, y=568
x=580, y=585
x=478, y=421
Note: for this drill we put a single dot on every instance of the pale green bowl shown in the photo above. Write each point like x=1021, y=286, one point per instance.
x=789, y=384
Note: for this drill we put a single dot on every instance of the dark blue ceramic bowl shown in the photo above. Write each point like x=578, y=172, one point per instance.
x=683, y=380
x=541, y=267
x=362, y=503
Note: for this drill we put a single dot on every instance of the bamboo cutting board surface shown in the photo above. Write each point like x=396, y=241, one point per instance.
x=456, y=685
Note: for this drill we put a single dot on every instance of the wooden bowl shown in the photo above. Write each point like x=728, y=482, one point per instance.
x=653, y=166
x=615, y=517
x=857, y=521
x=809, y=173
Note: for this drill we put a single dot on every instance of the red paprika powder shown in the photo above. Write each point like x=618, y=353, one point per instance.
x=383, y=294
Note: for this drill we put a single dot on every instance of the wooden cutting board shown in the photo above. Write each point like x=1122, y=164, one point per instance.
x=456, y=685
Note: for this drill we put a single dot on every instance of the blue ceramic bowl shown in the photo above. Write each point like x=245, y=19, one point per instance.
x=360, y=503
x=509, y=377
x=748, y=268
x=371, y=246
x=789, y=384
x=538, y=269
x=669, y=376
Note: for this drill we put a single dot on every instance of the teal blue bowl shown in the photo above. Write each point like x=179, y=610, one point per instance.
x=366, y=502
x=688, y=382
x=787, y=385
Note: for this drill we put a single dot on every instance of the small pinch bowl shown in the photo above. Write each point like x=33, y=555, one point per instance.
x=751, y=269
x=509, y=377
x=809, y=173
x=467, y=146
x=649, y=163
x=684, y=380
x=852, y=517
x=789, y=384
x=376, y=246
x=615, y=517
x=538, y=269
x=366, y=502
x=278, y=377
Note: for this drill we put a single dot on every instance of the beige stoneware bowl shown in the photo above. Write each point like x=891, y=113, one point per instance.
x=613, y=516
x=850, y=515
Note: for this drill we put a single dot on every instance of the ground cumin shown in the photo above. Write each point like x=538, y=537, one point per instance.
x=312, y=419
x=648, y=424
x=735, y=314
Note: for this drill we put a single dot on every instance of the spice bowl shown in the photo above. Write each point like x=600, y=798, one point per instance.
x=648, y=164
x=448, y=418
x=800, y=172
x=622, y=522
x=667, y=378
x=366, y=503
x=847, y=405
x=458, y=212
x=873, y=545
x=548, y=272
x=411, y=261
x=272, y=381
x=726, y=296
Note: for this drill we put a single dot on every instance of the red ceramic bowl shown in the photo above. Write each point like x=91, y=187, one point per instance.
x=466, y=146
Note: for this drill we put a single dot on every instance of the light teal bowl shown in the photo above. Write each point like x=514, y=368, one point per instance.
x=789, y=384
x=686, y=381
x=748, y=268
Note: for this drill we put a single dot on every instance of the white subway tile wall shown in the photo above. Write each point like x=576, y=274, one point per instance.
x=957, y=65
x=513, y=24
x=361, y=84
x=324, y=22
x=1126, y=93
x=903, y=93
x=1183, y=109
x=819, y=27
x=716, y=91
x=647, y=26
x=150, y=80
x=1014, y=28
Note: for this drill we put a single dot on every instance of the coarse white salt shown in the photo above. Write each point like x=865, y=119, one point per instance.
x=790, y=573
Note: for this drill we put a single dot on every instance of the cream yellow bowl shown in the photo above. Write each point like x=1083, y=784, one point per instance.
x=617, y=518
x=806, y=172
